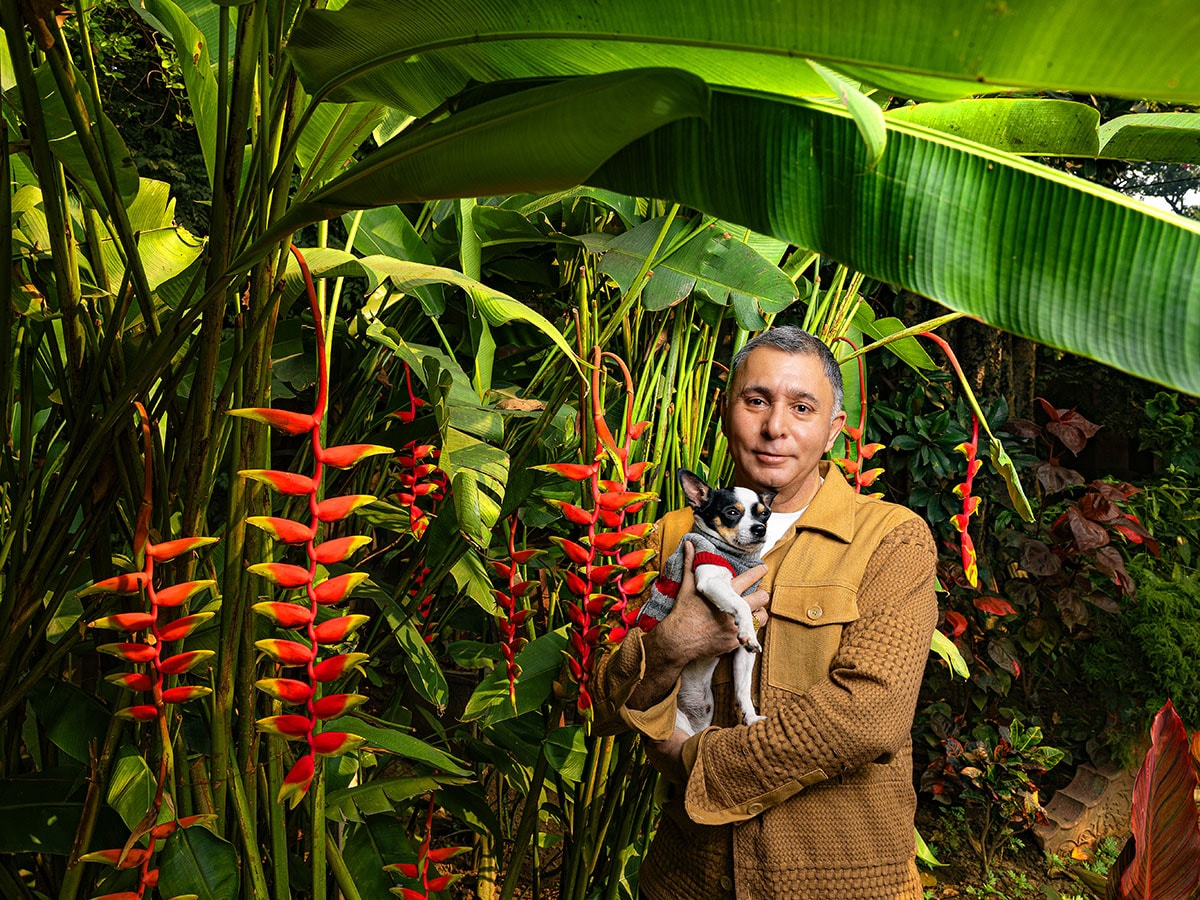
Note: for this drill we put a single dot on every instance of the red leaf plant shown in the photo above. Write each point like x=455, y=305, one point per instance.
x=600, y=608
x=511, y=620
x=1161, y=860
x=152, y=678
x=854, y=465
x=426, y=877
x=302, y=615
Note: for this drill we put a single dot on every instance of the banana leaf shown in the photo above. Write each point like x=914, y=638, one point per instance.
x=413, y=54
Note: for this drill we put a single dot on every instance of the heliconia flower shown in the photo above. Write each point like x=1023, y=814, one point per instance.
x=285, y=690
x=120, y=895
x=166, y=829
x=283, y=530
x=332, y=590
x=177, y=594
x=134, y=681
x=285, y=615
x=635, y=471
x=866, y=451
x=184, y=693
x=347, y=455
x=570, y=471
x=337, y=508
x=970, y=566
x=601, y=574
x=408, y=870
x=168, y=550
x=286, y=653
x=574, y=514
x=181, y=628
x=146, y=712
x=616, y=500
x=288, y=483
x=184, y=662
x=284, y=419
x=120, y=859
x=410, y=894
x=338, y=549
x=138, y=653
x=127, y=583
x=132, y=621
x=296, y=782
x=635, y=559
x=574, y=552
x=288, y=725
x=959, y=522
x=867, y=478
x=335, y=743
x=333, y=631
x=284, y=575
x=636, y=584
x=336, y=705
x=336, y=666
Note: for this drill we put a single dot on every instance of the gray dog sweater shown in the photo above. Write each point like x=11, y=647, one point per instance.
x=666, y=587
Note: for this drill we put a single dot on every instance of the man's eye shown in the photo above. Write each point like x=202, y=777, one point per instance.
x=801, y=407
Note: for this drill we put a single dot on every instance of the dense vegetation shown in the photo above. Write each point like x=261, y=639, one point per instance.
x=530, y=270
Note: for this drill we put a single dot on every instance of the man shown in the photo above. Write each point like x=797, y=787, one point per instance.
x=816, y=801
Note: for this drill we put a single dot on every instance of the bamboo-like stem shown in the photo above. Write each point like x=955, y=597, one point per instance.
x=341, y=873
x=529, y=819
x=250, y=858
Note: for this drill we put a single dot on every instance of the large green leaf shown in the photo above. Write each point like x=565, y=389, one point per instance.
x=415, y=53
x=131, y=786
x=196, y=861
x=540, y=662
x=39, y=813
x=550, y=138
x=72, y=719
x=704, y=260
x=1029, y=127
x=404, y=745
x=1021, y=246
x=1160, y=137
x=380, y=795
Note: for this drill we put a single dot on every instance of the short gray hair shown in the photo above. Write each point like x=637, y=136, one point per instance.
x=792, y=339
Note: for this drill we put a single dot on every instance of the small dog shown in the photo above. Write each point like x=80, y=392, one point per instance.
x=728, y=532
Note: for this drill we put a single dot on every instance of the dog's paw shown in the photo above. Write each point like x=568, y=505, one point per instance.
x=751, y=718
x=750, y=642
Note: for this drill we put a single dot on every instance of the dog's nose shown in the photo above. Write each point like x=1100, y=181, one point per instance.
x=759, y=530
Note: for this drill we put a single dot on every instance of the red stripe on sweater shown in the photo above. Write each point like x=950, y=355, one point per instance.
x=706, y=558
x=666, y=586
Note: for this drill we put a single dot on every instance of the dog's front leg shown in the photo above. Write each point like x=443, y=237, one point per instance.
x=743, y=678
x=716, y=583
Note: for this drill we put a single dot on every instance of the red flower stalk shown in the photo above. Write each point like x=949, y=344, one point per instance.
x=302, y=615
x=419, y=474
x=599, y=588
x=969, y=449
x=152, y=680
x=853, y=466
x=511, y=619
x=427, y=878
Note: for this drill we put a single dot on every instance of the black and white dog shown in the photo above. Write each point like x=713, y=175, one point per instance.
x=728, y=531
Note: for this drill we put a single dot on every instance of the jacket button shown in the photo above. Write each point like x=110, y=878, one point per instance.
x=754, y=809
x=727, y=882
x=815, y=612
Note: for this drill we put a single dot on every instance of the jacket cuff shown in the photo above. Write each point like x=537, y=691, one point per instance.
x=620, y=673
x=707, y=804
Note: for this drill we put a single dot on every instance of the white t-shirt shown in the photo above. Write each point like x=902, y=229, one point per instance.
x=780, y=524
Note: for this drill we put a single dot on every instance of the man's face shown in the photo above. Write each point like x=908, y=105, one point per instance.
x=778, y=422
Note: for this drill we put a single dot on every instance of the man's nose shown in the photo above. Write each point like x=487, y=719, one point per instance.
x=773, y=421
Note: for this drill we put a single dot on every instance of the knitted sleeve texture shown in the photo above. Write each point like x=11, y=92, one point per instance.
x=863, y=712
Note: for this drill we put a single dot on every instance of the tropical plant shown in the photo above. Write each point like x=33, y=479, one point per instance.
x=307, y=116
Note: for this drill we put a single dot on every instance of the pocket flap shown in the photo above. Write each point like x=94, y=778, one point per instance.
x=815, y=604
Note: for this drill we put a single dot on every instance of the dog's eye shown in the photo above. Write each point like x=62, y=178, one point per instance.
x=733, y=513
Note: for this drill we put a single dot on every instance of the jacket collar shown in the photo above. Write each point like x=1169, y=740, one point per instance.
x=832, y=509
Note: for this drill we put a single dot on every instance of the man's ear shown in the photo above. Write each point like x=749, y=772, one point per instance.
x=695, y=489
x=835, y=428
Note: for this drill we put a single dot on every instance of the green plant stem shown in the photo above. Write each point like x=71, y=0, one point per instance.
x=341, y=874
x=320, y=844
x=529, y=819
x=276, y=820
x=250, y=859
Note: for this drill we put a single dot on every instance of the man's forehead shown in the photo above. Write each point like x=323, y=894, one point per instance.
x=770, y=370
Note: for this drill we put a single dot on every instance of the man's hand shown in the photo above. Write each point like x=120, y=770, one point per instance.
x=694, y=629
x=667, y=756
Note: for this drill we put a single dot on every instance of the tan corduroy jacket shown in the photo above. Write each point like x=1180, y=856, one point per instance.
x=815, y=802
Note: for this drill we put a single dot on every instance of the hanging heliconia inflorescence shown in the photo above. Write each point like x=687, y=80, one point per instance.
x=152, y=680
x=302, y=615
x=602, y=589
x=511, y=620
x=418, y=472
x=427, y=878
x=854, y=463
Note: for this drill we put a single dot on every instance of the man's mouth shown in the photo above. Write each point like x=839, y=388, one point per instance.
x=764, y=456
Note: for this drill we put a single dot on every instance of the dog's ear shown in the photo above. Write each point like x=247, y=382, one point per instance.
x=695, y=489
x=768, y=497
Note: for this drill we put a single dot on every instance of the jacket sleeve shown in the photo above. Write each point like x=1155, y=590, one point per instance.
x=862, y=712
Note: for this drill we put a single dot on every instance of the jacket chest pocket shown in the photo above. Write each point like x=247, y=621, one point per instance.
x=805, y=630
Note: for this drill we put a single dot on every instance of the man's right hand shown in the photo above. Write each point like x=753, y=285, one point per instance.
x=693, y=629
